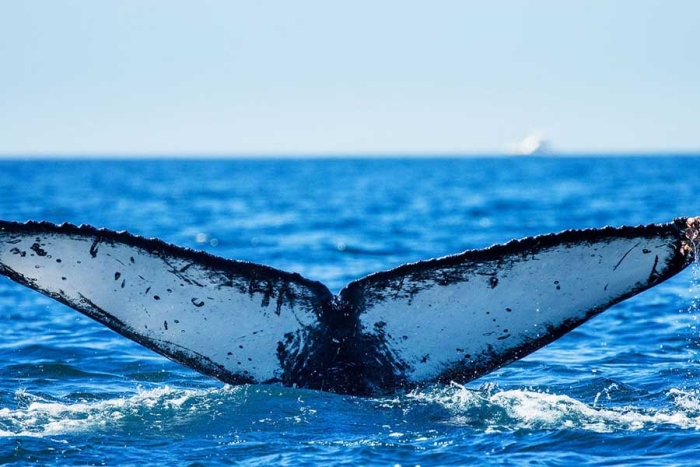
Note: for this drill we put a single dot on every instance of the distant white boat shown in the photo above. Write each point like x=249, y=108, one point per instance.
x=535, y=143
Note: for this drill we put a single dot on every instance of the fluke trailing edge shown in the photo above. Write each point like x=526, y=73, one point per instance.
x=447, y=319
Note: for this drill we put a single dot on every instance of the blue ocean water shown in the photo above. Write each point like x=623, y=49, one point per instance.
x=621, y=390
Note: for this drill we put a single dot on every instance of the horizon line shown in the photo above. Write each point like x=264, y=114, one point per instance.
x=343, y=155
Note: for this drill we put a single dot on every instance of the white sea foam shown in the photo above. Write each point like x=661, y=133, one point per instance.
x=38, y=417
x=490, y=409
x=513, y=409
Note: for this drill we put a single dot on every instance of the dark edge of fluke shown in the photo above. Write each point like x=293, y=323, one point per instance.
x=678, y=226
x=156, y=245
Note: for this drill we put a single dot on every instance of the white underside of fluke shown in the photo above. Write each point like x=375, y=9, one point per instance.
x=497, y=307
x=174, y=305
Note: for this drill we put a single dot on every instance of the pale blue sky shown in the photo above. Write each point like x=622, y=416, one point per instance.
x=276, y=77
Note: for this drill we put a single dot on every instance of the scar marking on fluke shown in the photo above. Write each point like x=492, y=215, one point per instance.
x=654, y=273
x=36, y=248
x=624, y=256
x=17, y=251
x=95, y=247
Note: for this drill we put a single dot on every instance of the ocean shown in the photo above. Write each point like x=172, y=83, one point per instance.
x=623, y=389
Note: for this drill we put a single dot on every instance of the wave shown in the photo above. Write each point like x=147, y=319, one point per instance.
x=38, y=416
x=511, y=409
x=254, y=408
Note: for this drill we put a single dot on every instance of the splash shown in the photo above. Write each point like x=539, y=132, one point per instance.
x=36, y=416
x=497, y=410
x=166, y=412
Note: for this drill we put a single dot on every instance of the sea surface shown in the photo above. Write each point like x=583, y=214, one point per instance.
x=623, y=389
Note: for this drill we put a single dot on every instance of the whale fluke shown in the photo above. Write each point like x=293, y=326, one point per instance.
x=453, y=318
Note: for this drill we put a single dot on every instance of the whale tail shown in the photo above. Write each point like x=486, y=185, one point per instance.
x=447, y=319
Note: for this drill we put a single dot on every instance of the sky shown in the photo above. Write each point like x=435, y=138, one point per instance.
x=149, y=77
